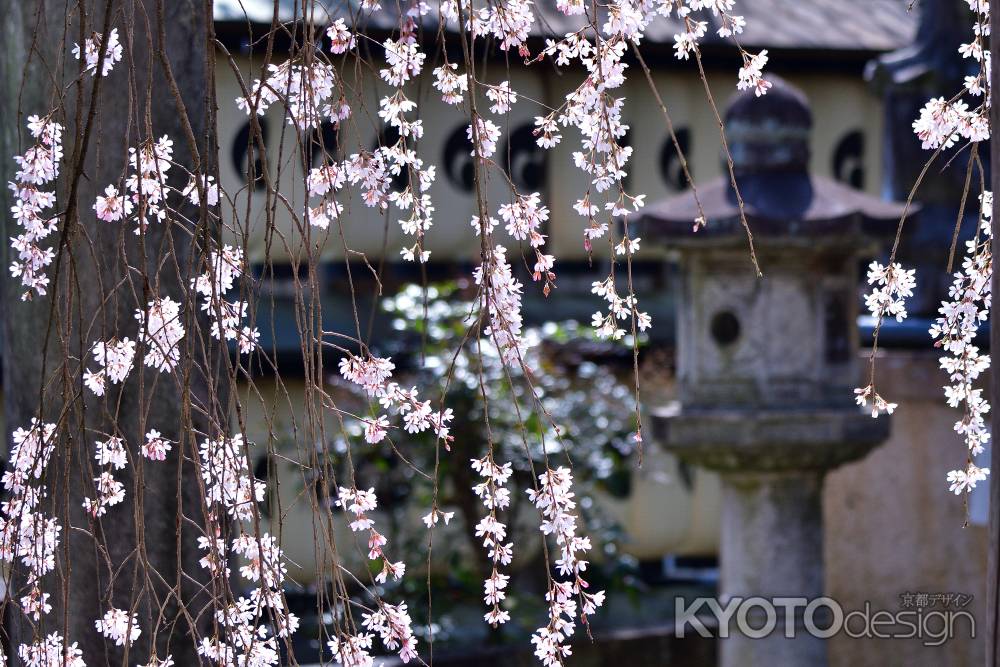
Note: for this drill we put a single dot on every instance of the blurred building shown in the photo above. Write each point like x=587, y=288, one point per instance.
x=891, y=526
x=821, y=46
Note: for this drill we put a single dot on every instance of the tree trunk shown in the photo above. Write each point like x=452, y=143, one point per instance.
x=142, y=555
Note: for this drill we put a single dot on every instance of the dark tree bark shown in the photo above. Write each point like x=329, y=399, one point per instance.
x=142, y=555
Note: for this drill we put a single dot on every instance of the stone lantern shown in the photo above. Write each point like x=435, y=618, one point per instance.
x=766, y=365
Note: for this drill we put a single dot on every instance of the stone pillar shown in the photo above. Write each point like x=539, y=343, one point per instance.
x=772, y=546
x=772, y=523
x=772, y=463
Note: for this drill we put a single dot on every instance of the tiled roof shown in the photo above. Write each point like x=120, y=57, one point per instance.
x=847, y=25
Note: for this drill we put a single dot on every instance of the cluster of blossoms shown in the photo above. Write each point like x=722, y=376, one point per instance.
x=686, y=42
x=360, y=503
x=51, y=651
x=225, y=267
x=27, y=533
x=119, y=626
x=146, y=189
x=501, y=292
x=943, y=122
x=751, y=74
x=495, y=497
x=867, y=395
x=247, y=642
x=393, y=626
x=954, y=331
x=341, y=38
x=263, y=559
x=248, y=639
x=115, y=358
x=502, y=97
x=597, y=114
x=370, y=172
x=391, y=623
x=405, y=61
x=195, y=187
x=484, y=135
x=113, y=206
x=892, y=286
x=324, y=182
x=523, y=219
x=91, y=52
x=431, y=518
x=353, y=650
x=36, y=167
x=941, y=125
x=568, y=598
x=215, y=559
x=156, y=446
x=305, y=91
x=373, y=375
x=227, y=478
x=453, y=86
x=619, y=308
x=160, y=331
x=110, y=454
x=508, y=22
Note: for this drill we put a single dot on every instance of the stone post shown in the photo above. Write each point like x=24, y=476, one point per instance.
x=767, y=367
x=772, y=523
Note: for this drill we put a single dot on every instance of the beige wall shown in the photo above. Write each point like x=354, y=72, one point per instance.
x=663, y=515
x=892, y=526
x=840, y=104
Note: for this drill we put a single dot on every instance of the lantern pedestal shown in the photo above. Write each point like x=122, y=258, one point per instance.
x=772, y=464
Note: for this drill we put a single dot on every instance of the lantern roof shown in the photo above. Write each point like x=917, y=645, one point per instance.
x=768, y=140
